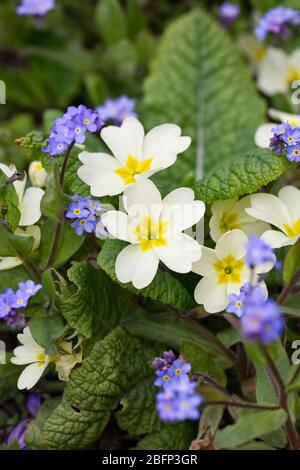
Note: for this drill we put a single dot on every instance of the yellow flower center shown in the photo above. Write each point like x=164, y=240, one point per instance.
x=77, y=211
x=38, y=166
x=291, y=76
x=178, y=371
x=239, y=304
x=294, y=122
x=228, y=222
x=41, y=358
x=166, y=378
x=86, y=121
x=229, y=270
x=151, y=233
x=293, y=230
x=260, y=53
x=132, y=168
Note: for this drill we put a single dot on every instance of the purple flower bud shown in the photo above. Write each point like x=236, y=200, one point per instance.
x=35, y=7
x=18, y=434
x=117, y=109
x=34, y=401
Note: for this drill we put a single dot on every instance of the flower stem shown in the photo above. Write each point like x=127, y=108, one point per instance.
x=287, y=290
x=279, y=388
x=60, y=221
x=211, y=338
x=241, y=404
x=64, y=165
x=32, y=270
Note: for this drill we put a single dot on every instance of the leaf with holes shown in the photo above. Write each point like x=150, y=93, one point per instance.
x=97, y=304
x=115, y=365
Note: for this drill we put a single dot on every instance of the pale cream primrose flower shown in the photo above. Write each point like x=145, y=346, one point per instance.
x=66, y=361
x=37, y=174
x=33, y=354
x=283, y=212
x=264, y=132
x=154, y=228
x=278, y=71
x=253, y=49
x=225, y=271
x=230, y=214
x=135, y=156
x=30, y=211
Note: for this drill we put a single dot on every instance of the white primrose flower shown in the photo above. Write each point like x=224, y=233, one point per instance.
x=278, y=71
x=230, y=214
x=254, y=50
x=136, y=156
x=264, y=132
x=33, y=354
x=30, y=213
x=283, y=212
x=37, y=174
x=224, y=271
x=154, y=228
x=9, y=262
x=29, y=199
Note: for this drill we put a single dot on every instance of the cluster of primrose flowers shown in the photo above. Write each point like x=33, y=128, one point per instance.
x=158, y=230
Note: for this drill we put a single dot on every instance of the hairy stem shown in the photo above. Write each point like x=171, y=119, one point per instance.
x=32, y=270
x=288, y=289
x=64, y=165
x=241, y=404
x=60, y=221
x=210, y=337
x=211, y=381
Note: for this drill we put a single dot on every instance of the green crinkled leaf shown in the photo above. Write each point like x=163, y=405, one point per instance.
x=9, y=203
x=198, y=78
x=249, y=425
x=33, y=141
x=164, y=287
x=241, y=176
x=138, y=415
x=172, y=437
x=97, y=304
x=115, y=365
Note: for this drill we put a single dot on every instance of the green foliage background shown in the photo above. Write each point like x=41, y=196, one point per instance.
x=181, y=67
